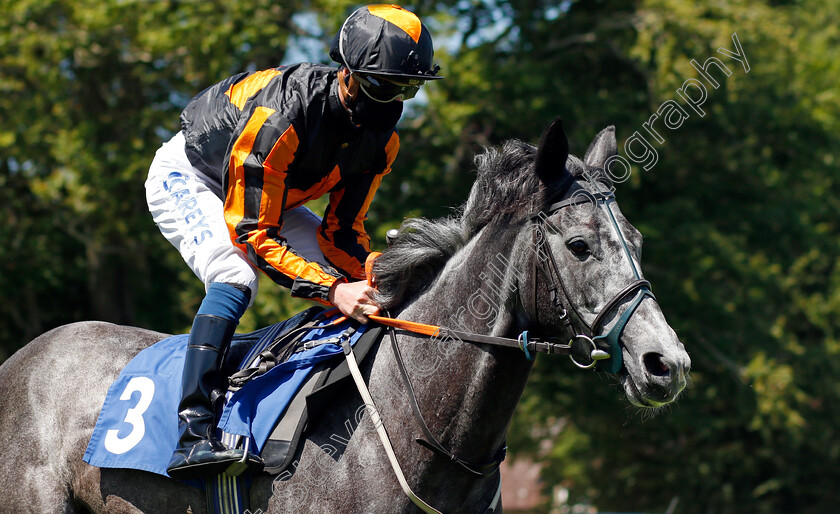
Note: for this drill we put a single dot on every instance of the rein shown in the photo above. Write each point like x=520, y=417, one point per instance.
x=523, y=342
x=432, y=443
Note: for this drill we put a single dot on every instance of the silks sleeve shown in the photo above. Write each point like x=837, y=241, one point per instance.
x=342, y=235
x=255, y=199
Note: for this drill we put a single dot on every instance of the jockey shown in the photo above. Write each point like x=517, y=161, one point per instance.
x=228, y=191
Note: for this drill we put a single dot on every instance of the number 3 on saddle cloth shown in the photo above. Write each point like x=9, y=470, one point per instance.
x=137, y=427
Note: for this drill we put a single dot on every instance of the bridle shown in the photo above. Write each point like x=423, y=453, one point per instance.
x=604, y=349
x=585, y=349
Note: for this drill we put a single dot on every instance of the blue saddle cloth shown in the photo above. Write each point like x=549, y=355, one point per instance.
x=137, y=427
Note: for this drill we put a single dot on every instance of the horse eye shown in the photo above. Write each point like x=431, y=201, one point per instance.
x=579, y=247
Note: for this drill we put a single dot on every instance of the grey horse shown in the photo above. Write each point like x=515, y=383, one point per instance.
x=474, y=271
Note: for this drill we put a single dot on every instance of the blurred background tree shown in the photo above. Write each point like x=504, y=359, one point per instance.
x=740, y=214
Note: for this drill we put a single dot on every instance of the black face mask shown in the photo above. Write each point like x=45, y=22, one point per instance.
x=373, y=115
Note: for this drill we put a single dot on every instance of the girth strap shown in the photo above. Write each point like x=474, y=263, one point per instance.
x=277, y=352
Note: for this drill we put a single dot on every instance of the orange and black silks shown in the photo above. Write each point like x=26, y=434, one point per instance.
x=275, y=139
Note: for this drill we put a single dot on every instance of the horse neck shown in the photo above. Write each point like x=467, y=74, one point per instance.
x=470, y=396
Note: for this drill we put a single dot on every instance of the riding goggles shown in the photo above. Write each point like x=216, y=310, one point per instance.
x=384, y=91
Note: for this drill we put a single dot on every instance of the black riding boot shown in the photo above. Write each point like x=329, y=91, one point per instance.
x=199, y=453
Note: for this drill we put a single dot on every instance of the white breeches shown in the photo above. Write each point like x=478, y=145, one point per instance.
x=188, y=209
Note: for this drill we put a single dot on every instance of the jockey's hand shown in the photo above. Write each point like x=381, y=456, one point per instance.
x=354, y=299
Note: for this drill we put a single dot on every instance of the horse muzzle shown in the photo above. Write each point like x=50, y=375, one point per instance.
x=654, y=379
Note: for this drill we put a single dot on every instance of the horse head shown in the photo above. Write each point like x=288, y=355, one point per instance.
x=588, y=279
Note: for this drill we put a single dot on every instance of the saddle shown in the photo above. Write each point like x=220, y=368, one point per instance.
x=282, y=377
x=275, y=345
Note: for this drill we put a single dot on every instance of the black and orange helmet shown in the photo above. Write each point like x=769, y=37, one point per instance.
x=387, y=41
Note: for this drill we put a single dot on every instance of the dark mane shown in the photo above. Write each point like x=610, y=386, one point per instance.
x=505, y=190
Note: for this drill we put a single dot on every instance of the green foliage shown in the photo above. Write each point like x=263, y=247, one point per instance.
x=740, y=217
x=740, y=214
x=90, y=89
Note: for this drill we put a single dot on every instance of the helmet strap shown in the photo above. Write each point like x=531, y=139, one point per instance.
x=348, y=88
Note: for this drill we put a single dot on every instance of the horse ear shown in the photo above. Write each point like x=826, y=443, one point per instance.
x=602, y=148
x=550, y=163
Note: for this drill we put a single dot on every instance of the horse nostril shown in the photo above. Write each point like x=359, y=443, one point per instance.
x=655, y=365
